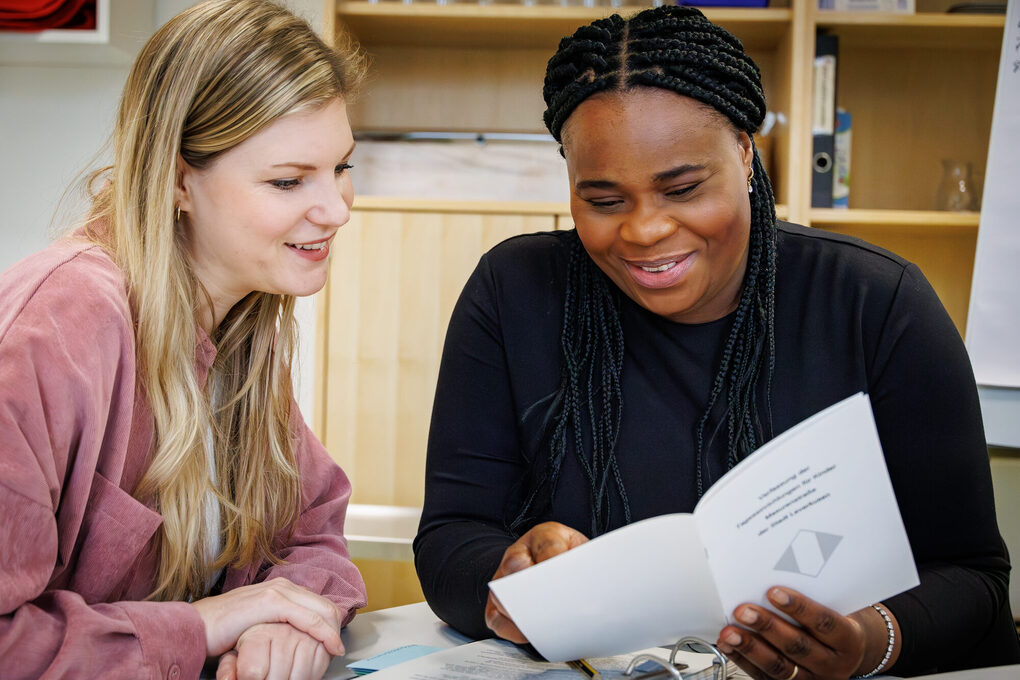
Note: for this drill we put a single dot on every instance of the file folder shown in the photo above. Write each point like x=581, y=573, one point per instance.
x=823, y=124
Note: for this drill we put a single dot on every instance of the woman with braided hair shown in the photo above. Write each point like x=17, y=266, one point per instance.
x=600, y=376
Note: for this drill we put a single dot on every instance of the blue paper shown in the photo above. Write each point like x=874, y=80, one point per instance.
x=390, y=658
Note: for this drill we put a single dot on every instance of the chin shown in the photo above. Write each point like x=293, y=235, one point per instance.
x=311, y=288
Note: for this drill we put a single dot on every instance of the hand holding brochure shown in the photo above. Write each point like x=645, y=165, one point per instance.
x=812, y=510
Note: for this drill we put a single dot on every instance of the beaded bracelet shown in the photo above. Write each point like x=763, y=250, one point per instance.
x=892, y=641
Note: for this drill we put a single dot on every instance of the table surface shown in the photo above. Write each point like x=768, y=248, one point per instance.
x=384, y=629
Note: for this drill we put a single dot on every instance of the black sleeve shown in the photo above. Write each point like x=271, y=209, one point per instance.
x=473, y=460
x=927, y=411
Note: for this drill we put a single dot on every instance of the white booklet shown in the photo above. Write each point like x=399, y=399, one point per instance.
x=812, y=510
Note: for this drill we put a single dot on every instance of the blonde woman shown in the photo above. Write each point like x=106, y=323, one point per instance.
x=161, y=500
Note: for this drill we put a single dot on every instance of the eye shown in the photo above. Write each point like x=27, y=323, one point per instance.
x=683, y=191
x=285, y=184
x=603, y=204
x=342, y=167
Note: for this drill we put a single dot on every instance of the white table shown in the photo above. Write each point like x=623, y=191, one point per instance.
x=378, y=631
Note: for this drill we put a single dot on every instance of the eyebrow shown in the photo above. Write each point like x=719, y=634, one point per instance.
x=666, y=175
x=677, y=171
x=307, y=166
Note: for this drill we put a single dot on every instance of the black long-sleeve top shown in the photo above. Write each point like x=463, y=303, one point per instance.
x=849, y=317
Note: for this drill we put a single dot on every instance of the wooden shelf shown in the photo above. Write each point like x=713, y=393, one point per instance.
x=521, y=27
x=919, y=221
x=944, y=31
x=385, y=203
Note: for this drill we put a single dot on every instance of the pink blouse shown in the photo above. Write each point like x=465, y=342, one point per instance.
x=75, y=438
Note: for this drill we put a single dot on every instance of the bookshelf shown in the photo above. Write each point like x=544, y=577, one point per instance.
x=920, y=86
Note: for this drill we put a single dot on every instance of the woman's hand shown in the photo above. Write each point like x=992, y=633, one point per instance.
x=229, y=615
x=274, y=651
x=537, y=545
x=826, y=645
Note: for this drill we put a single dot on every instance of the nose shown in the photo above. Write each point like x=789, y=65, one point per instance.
x=332, y=205
x=646, y=225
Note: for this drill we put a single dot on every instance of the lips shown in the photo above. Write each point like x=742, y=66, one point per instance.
x=659, y=273
x=311, y=250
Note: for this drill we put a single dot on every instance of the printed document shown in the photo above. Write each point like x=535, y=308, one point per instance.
x=812, y=510
x=502, y=660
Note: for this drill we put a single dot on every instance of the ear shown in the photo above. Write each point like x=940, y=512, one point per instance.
x=184, y=180
x=746, y=151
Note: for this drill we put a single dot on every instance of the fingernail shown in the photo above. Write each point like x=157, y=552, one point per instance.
x=747, y=616
x=780, y=597
x=732, y=638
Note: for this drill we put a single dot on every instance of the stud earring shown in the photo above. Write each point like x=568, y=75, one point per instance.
x=750, y=189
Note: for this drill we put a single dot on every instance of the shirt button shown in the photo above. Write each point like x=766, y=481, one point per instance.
x=175, y=672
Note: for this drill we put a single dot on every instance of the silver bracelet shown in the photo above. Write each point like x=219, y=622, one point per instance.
x=892, y=642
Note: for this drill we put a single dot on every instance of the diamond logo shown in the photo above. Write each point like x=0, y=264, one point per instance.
x=808, y=552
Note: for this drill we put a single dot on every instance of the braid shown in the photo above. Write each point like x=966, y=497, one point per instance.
x=592, y=346
x=676, y=49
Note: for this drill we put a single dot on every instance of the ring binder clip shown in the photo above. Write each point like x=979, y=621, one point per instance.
x=641, y=658
x=694, y=644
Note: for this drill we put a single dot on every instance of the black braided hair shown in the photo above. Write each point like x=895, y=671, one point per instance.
x=676, y=49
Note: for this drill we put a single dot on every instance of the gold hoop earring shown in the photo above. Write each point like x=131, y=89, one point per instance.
x=177, y=218
x=750, y=189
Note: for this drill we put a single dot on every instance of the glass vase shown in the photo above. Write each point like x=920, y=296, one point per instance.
x=956, y=190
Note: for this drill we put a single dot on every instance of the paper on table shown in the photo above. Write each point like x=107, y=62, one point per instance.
x=812, y=509
x=502, y=660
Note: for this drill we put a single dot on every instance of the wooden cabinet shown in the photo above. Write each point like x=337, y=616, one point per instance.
x=396, y=272
x=920, y=87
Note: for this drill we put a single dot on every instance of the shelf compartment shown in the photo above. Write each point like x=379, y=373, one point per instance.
x=952, y=31
x=520, y=27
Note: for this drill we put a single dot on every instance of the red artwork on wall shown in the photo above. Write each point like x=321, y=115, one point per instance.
x=39, y=15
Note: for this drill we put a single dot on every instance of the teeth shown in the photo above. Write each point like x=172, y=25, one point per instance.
x=661, y=268
x=310, y=246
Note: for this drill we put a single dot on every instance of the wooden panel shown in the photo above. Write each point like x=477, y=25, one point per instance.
x=443, y=88
x=394, y=279
x=512, y=26
x=389, y=583
x=474, y=89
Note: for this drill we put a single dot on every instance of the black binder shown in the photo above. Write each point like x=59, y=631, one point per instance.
x=823, y=123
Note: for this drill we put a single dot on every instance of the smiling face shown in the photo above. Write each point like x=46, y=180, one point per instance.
x=658, y=193
x=262, y=215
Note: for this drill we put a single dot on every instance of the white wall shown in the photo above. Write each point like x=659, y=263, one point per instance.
x=57, y=107
x=54, y=121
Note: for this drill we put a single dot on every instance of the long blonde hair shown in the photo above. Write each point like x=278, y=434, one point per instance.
x=209, y=79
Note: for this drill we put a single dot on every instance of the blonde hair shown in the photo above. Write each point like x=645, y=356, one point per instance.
x=209, y=79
